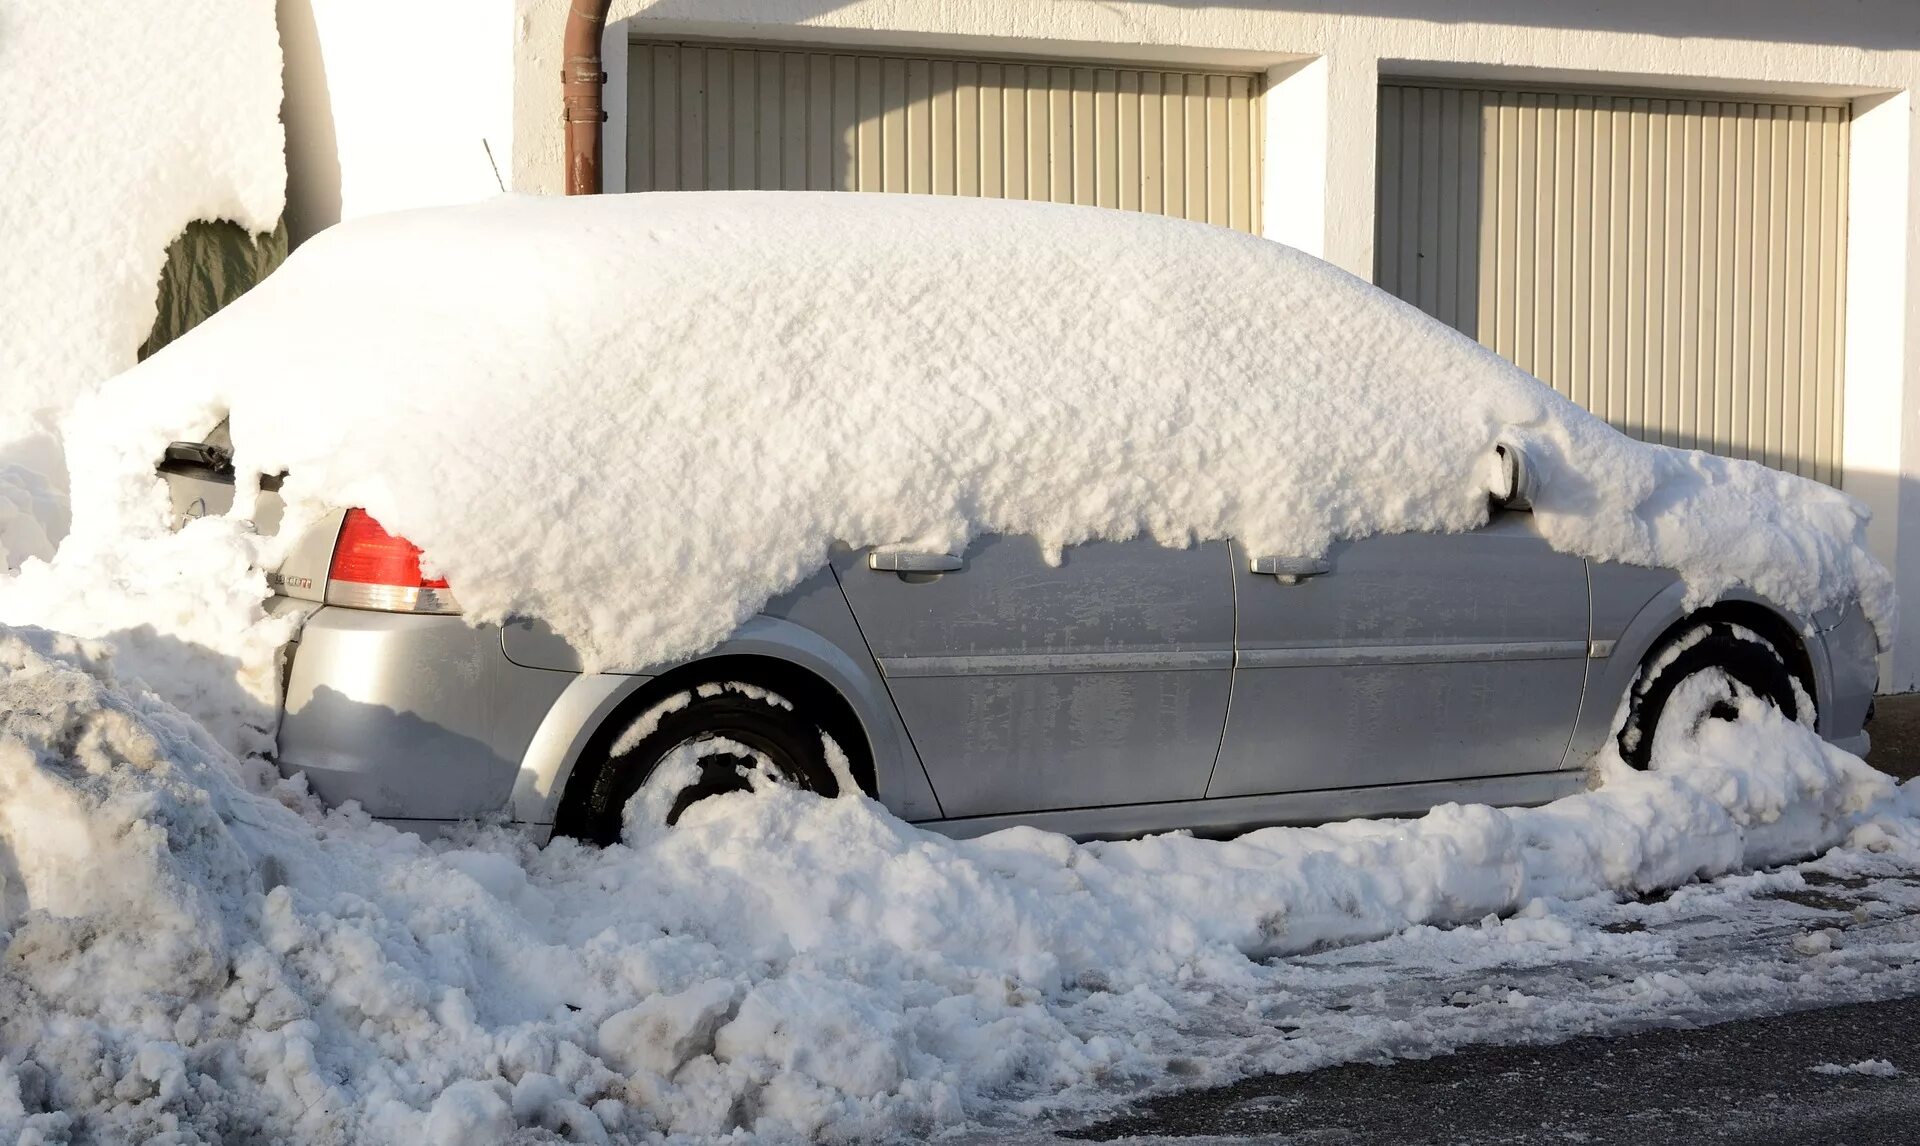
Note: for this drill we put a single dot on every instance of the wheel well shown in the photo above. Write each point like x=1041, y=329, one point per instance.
x=803, y=687
x=1775, y=629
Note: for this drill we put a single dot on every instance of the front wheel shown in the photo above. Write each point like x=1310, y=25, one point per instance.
x=712, y=738
x=1702, y=675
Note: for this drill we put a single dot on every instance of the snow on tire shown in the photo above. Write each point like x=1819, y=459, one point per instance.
x=713, y=738
x=1713, y=670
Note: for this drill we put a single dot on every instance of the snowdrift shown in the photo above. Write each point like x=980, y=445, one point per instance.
x=105, y=166
x=197, y=950
x=639, y=417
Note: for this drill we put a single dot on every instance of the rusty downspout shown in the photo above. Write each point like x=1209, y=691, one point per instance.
x=580, y=83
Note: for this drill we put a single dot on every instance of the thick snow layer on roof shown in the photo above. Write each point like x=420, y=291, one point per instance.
x=119, y=125
x=191, y=950
x=639, y=417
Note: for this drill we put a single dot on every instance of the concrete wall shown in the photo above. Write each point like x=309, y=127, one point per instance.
x=1323, y=60
x=394, y=103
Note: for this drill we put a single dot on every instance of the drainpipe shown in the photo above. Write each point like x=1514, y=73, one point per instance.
x=580, y=82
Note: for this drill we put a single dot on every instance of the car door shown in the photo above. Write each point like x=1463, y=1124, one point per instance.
x=1404, y=658
x=1099, y=680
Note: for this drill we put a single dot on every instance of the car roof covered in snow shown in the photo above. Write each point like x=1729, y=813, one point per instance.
x=639, y=417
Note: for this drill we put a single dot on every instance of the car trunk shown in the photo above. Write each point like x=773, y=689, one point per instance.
x=200, y=480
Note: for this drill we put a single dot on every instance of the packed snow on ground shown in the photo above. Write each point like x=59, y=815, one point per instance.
x=194, y=948
x=639, y=417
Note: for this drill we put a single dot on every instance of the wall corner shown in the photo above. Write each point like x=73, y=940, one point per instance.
x=1880, y=450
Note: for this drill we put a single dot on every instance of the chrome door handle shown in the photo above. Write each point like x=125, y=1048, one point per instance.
x=898, y=562
x=1291, y=570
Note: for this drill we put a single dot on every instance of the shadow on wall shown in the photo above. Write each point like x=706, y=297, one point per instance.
x=306, y=109
x=1878, y=24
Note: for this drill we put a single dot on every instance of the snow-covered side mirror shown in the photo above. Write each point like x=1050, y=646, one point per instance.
x=1520, y=477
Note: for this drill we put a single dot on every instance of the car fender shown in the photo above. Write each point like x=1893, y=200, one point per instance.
x=592, y=698
x=1609, y=677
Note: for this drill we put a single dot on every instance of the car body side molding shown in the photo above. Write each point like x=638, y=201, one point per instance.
x=1413, y=654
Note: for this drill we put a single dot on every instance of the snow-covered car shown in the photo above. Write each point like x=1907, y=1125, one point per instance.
x=1101, y=555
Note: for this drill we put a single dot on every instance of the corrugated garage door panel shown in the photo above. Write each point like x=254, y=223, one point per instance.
x=1675, y=265
x=1167, y=142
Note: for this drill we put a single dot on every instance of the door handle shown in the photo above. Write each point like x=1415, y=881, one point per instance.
x=907, y=562
x=1291, y=570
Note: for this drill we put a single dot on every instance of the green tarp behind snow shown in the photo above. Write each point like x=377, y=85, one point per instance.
x=209, y=266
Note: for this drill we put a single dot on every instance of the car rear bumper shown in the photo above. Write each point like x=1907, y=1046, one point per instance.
x=415, y=717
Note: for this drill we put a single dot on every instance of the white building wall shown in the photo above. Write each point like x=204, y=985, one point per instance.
x=394, y=103
x=407, y=128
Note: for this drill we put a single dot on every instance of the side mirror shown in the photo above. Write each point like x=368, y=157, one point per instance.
x=1522, y=480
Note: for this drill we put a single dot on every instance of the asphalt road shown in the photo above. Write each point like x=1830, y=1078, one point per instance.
x=1896, y=735
x=1748, y=1081
x=1743, y=1082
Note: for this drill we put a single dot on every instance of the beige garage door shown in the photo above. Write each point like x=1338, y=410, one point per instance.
x=1169, y=142
x=1675, y=265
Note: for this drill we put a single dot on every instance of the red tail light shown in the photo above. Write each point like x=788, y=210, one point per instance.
x=373, y=569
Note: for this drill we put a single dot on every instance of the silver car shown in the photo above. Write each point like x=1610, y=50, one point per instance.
x=1128, y=688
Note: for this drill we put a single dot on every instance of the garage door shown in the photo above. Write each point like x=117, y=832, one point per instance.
x=1168, y=142
x=1675, y=265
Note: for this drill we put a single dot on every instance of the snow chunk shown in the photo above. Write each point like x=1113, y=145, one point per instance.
x=469, y=1113
x=1814, y=942
x=666, y=1030
x=1872, y=1068
x=32, y=514
x=639, y=417
x=823, y=1029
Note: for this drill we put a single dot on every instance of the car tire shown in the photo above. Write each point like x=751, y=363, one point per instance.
x=729, y=729
x=1744, y=657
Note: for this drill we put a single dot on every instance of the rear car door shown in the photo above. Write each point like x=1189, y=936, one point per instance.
x=1404, y=658
x=1026, y=686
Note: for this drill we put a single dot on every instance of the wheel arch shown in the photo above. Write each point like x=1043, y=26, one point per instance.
x=801, y=686
x=1666, y=616
x=769, y=651
x=1768, y=623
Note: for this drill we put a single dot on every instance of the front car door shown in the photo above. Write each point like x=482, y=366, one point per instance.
x=1025, y=686
x=1403, y=658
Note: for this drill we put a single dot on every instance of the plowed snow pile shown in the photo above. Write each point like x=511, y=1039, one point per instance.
x=192, y=951
x=639, y=417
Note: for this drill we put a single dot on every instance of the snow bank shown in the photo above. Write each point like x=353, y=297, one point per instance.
x=639, y=417
x=120, y=124
x=183, y=612
x=191, y=950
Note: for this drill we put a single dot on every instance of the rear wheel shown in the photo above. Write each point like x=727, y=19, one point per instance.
x=712, y=738
x=1702, y=675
